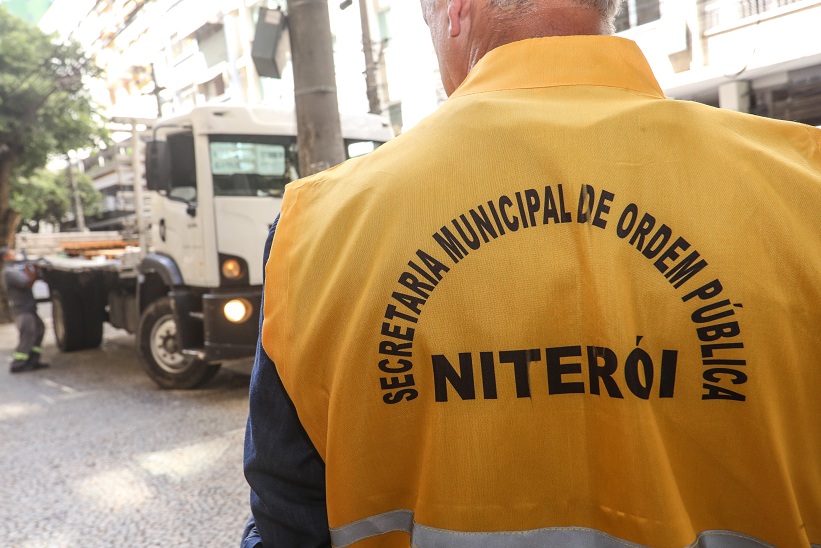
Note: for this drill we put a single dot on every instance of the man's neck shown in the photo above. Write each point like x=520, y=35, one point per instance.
x=492, y=30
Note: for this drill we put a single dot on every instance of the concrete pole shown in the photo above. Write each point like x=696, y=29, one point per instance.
x=319, y=136
x=79, y=215
x=698, y=43
x=230, y=32
x=137, y=169
x=245, y=24
x=370, y=66
x=735, y=95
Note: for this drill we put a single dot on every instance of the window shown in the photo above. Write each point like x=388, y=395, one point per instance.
x=383, y=16
x=211, y=42
x=183, y=169
x=187, y=97
x=360, y=148
x=256, y=165
x=213, y=88
x=183, y=49
x=395, y=116
x=724, y=12
x=252, y=165
x=634, y=13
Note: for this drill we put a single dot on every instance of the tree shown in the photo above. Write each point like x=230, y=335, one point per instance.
x=46, y=197
x=44, y=106
x=44, y=109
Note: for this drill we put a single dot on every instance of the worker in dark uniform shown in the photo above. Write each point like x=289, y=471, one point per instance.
x=18, y=278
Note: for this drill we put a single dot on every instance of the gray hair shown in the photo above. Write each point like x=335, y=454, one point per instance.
x=607, y=8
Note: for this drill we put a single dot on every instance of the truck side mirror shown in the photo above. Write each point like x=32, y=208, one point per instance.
x=157, y=165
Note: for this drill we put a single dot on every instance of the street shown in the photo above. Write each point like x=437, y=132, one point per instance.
x=92, y=453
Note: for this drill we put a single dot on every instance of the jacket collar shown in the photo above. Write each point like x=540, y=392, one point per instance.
x=607, y=61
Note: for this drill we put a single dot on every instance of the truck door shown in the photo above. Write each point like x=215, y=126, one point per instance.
x=176, y=228
x=250, y=173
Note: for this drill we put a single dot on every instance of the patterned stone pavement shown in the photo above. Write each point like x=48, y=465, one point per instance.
x=93, y=454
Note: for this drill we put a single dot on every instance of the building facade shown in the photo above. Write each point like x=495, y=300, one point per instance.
x=165, y=56
x=162, y=57
x=757, y=56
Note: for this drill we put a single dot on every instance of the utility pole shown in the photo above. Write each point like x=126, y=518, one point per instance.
x=139, y=203
x=319, y=135
x=370, y=66
x=371, y=88
x=79, y=215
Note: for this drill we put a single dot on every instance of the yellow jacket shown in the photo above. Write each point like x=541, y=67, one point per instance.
x=562, y=305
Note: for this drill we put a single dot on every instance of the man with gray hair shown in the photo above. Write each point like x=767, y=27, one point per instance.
x=563, y=310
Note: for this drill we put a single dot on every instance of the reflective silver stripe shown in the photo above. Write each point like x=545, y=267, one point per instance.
x=560, y=537
x=554, y=537
x=428, y=537
x=398, y=520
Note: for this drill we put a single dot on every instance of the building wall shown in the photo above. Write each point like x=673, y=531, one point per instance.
x=182, y=53
x=162, y=57
x=166, y=56
x=410, y=67
x=760, y=56
x=198, y=51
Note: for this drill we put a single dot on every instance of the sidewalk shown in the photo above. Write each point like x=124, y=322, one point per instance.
x=94, y=455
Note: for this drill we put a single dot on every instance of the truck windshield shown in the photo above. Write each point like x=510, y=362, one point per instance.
x=252, y=165
x=261, y=165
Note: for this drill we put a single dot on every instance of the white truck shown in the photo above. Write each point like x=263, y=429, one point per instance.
x=217, y=177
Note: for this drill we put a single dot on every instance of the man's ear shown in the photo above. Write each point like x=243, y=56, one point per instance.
x=458, y=10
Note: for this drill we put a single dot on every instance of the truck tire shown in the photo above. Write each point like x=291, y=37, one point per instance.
x=77, y=324
x=161, y=356
x=93, y=325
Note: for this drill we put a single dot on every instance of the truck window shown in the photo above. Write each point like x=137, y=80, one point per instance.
x=183, y=168
x=360, y=148
x=252, y=166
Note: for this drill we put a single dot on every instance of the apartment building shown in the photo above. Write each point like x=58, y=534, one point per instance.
x=758, y=56
x=161, y=57
x=166, y=56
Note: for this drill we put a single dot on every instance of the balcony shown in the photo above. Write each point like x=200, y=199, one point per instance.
x=720, y=15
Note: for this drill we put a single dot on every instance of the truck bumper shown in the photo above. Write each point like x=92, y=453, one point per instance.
x=224, y=339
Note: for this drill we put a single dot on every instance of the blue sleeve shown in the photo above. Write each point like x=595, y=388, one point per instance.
x=282, y=466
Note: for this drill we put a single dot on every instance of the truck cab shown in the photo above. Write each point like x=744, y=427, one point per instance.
x=216, y=177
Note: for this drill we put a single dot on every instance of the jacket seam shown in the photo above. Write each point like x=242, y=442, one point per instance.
x=813, y=140
x=517, y=88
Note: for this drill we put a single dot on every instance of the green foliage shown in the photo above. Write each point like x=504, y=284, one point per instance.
x=46, y=196
x=44, y=106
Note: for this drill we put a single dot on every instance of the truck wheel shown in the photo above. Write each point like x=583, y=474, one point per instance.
x=76, y=325
x=161, y=355
x=93, y=325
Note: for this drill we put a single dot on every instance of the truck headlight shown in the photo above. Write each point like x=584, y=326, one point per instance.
x=232, y=269
x=237, y=310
